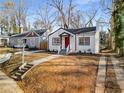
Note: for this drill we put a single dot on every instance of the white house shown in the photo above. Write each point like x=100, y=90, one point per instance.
x=33, y=39
x=85, y=40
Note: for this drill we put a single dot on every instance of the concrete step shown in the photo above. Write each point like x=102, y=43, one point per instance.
x=16, y=77
x=62, y=52
x=18, y=74
x=24, y=69
x=27, y=66
x=21, y=71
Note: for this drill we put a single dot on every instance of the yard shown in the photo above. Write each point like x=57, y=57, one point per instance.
x=68, y=74
x=11, y=66
x=5, y=50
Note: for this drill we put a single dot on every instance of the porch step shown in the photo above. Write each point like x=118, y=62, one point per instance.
x=17, y=78
x=21, y=72
x=18, y=74
x=62, y=52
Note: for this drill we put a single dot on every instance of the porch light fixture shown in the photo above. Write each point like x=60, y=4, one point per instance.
x=64, y=34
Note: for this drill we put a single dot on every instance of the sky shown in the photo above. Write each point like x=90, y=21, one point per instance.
x=83, y=5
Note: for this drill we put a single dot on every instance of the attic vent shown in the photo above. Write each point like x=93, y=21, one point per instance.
x=32, y=34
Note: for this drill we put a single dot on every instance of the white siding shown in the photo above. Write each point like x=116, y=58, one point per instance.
x=97, y=42
x=74, y=45
x=32, y=42
x=14, y=41
x=63, y=42
x=56, y=34
x=85, y=48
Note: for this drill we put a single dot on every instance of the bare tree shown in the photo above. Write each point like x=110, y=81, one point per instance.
x=46, y=18
x=70, y=17
x=91, y=16
x=14, y=15
x=21, y=14
x=38, y=24
x=58, y=4
x=8, y=15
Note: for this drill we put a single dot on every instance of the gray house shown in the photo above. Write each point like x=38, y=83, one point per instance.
x=33, y=39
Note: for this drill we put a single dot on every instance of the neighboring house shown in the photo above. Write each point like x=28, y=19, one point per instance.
x=4, y=38
x=84, y=40
x=33, y=39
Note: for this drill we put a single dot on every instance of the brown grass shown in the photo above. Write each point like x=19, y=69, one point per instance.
x=35, y=56
x=68, y=74
x=8, y=50
x=16, y=61
x=4, y=50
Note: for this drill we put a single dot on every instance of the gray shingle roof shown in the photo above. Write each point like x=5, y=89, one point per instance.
x=81, y=30
x=78, y=31
x=38, y=32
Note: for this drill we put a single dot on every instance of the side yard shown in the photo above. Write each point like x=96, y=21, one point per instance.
x=68, y=74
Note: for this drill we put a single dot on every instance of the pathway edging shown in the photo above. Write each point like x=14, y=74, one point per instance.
x=101, y=77
x=119, y=73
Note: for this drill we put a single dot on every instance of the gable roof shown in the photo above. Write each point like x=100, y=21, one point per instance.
x=78, y=31
x=81, y=30
x=33, y=33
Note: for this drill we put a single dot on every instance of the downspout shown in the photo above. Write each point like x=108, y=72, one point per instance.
x=69, y=42
x=48, y=43
x=75, y=43
x=61, y=41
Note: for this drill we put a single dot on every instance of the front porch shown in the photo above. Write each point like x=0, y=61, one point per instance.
x=65, y=43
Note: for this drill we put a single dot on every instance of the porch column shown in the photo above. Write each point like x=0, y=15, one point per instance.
x=69, y=40
x=60, y=41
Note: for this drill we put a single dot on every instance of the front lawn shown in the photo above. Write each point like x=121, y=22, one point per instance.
x=68, y=74
x=11, y=66
x=5, y=50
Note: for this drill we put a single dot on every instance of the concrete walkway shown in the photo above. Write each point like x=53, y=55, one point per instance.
x=100, y=82
x=119, y=73
x=29, y=52
x=8, y=85
x=5, y=57
x=39, y=61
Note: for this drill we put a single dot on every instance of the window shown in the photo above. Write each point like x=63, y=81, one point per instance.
x=55, y=41
x=84, y=40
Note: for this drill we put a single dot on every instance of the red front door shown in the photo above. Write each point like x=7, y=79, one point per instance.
x=66, y=41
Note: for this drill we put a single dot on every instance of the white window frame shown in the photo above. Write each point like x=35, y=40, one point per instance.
x=55, y=41
x=85, y=41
